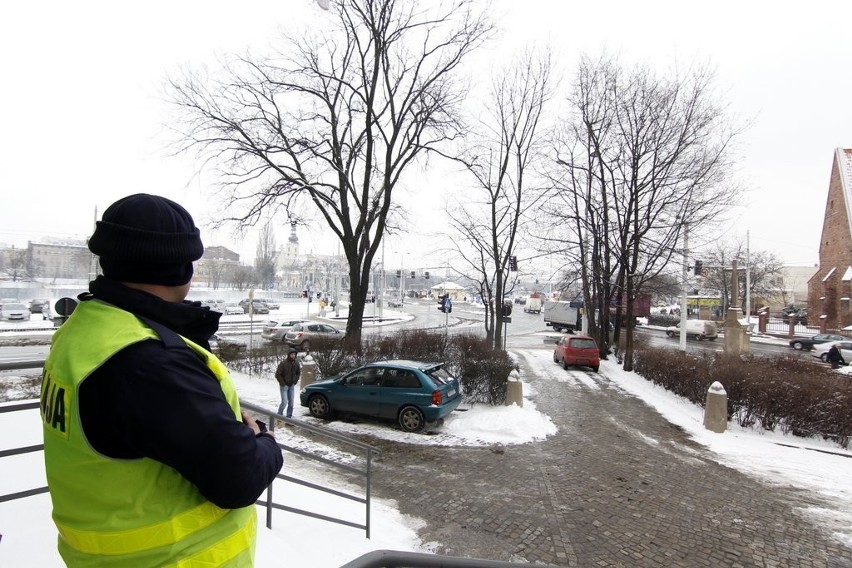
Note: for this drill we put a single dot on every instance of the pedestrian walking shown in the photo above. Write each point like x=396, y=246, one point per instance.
x=149, y=459
x=835, y=357
x=287, y=374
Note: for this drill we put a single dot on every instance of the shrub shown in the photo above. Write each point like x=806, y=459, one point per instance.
x=482, y=372
x=791, y=393
x=663, y=320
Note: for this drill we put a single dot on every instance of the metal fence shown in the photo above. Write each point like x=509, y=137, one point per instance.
x=362, y=471
x=398, y=559
x=374, y=559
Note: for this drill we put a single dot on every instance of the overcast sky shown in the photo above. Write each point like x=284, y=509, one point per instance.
x=83, y=122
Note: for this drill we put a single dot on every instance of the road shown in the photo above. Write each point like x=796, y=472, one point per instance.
x=525, y=331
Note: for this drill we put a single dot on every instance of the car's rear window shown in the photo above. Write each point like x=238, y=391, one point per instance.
x=440, y=376
x=583, y=344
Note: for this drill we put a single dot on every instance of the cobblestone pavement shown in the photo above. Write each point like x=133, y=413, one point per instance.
x=616, y=486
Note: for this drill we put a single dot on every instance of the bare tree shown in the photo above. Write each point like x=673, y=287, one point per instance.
x=765, y=272
x=19, y=265
x=266, y=257
x=509, y=145
x=644, y=158
x=242, y=277
x=336, y=119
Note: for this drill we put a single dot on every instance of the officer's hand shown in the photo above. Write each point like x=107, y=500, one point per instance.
x=251, y=423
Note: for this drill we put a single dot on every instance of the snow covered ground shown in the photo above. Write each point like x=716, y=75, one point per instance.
x=28, y=535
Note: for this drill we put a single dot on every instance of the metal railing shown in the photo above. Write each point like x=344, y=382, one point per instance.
x=399, y=559
x=364, y=473
x=17, y=407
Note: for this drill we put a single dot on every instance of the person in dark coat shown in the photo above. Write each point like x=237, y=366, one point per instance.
x=287, y=374
x=150, y=431
x=835, y=357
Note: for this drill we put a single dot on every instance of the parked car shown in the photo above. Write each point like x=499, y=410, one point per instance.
x=37, y=305
x=412, y=393
x=301, y=335
x=696, y=329
x=275, y=330
x=231, y=309
x=577, y=350
x=221, y=344
x=15, y=312
x=395, y=303
x=257, y=307
x=809, y=342
x=821, y=350
x=270, y=303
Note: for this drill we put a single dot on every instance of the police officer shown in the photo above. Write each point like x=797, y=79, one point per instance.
x=149, y=459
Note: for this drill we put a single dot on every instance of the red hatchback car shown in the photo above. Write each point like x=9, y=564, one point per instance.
x=577, y=350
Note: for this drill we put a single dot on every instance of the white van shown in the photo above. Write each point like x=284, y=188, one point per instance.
x=533, y=304
x=696, y=329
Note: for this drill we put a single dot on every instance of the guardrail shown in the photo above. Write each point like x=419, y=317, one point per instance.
x=398, y=559
x=17, y=407
x=365, y=472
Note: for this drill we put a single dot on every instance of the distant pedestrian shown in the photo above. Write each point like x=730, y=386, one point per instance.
x=835, y=357
x=287, y=374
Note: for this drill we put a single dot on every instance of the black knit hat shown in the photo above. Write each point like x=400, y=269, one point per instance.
x=147, y=239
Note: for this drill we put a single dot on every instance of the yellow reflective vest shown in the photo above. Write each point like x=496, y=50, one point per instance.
x=126, y=512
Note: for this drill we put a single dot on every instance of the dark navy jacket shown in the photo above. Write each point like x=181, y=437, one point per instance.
x=159, y=400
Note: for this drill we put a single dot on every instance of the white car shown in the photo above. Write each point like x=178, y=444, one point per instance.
x=821, y=350
x=232, y=310
x=15, y=312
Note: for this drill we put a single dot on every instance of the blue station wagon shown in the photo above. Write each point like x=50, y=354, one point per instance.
x=409, y=392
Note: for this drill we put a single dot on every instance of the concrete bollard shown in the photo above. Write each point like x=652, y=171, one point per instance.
x=514, y=390
x=309, y=371
x=716, y=408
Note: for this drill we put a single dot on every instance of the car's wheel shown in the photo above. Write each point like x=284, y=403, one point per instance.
x=824, y=357
x=565, y=364
x=305, y=345
x=595, y=369
x=411, y=419
x=555, y=358
x=670, y=333
x=797, y=345
x=318, y=406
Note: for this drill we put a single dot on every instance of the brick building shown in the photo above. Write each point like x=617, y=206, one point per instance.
x=830, y=288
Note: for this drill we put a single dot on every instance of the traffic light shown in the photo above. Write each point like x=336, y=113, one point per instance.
x=412, y=275
x=513, y=263
x=426, y=275
x=698, y=267
x=399, y=273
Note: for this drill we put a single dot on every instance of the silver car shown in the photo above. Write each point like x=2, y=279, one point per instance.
x=302, y=335
x=15, y=311
x=275, y=330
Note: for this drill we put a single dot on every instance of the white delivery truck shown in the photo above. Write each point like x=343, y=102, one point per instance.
x=696, y=329
x=533, y=305
x=562, y=315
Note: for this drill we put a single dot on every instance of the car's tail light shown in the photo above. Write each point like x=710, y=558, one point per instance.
x=437, y=398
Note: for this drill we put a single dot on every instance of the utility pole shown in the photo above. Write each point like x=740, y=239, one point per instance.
x=685, y=287
x=748, y=284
